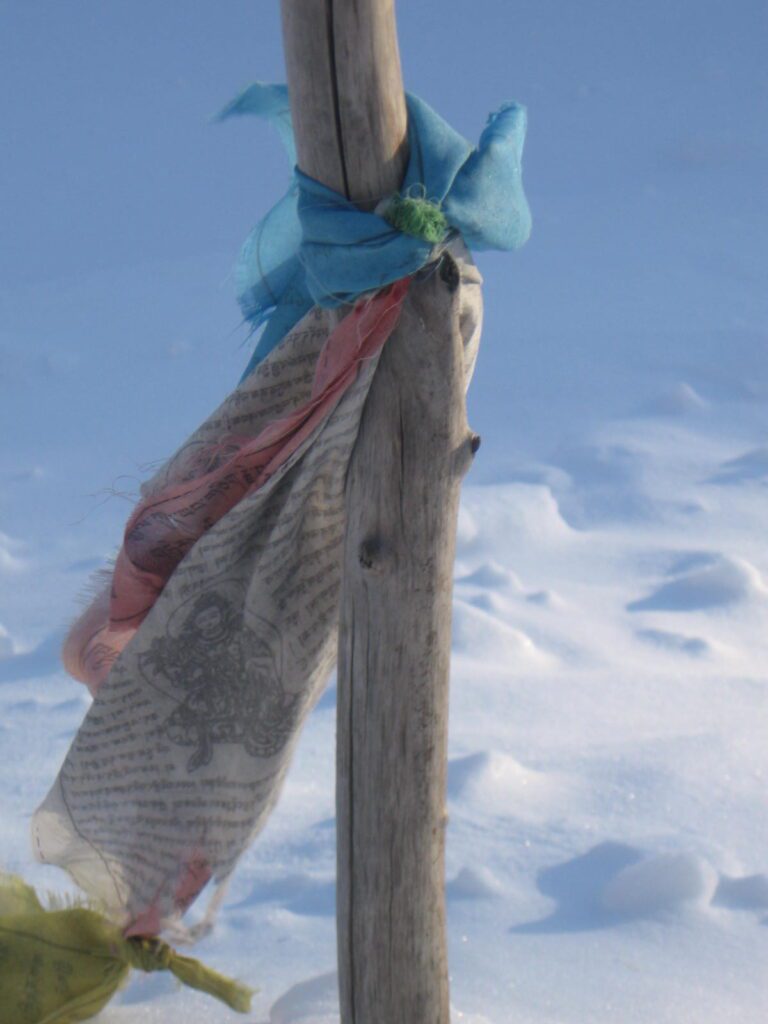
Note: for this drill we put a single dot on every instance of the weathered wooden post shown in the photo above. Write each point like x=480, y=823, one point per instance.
x=402, y=501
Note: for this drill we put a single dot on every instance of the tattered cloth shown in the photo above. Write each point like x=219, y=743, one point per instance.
x=217, y=631
x=63, y=964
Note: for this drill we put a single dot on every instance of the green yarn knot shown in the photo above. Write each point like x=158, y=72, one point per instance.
x=415, y=216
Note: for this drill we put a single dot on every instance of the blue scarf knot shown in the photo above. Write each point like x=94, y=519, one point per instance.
x=315, y=247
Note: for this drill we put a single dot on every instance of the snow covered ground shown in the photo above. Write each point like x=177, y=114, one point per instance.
x=608, y=841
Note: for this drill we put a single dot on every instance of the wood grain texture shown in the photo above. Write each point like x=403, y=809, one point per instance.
x=346, y=91
x=402, y=504
x=402, y=498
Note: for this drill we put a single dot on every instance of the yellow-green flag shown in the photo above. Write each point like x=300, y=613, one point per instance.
x=63, y=966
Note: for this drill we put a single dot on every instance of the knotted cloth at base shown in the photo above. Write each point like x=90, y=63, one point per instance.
x=62, y=966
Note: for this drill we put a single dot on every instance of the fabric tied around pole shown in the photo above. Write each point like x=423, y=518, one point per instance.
x=315, y=247
x=209, y=479
x=215, y=632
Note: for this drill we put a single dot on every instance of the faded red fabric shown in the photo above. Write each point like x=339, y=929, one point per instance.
x=195, y=875
x=164, y=527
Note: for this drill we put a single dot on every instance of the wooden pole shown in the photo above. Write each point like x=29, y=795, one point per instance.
x=347, y=98
x=394, y=651
x=402, y=503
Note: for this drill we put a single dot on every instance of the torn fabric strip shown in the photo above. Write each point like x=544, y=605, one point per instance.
x=181, y=756
x=217, y=631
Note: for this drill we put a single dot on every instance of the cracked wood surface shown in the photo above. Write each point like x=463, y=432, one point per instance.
x=347, y=98
x=350, y=119
x=402, y=503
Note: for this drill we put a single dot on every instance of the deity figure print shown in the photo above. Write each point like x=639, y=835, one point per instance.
x=229, y=672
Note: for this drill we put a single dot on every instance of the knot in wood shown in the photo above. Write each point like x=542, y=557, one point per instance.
x=372, y=553
x=449, y=272
x=464, y=453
